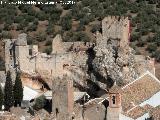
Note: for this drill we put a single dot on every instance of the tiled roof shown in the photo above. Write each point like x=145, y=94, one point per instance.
x=139, y=90
x=136, y=112
x=156, y=113
x=148, y=107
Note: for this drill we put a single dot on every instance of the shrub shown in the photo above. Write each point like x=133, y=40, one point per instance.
x=39, y=102
x=85, y=20
x=48, y=50
x=156, y=55
x=81, y=36
x=32, y=27
x=81, y=27
x=29, y=18
x=41, y=37
x=18, y=19
x=50, y=29
x=48, y=42
x=76, y=11
x=1, y=98
x=41, y=16
x=2, y=64
x=156, y=39
x=66, y=22
x=85, y=2
x=67, y=6
x=95, y=28
x=152, y=47
x=6, y=35
x=20, y=27
x=30, y=40
x=134, y=37
x=35, y=22
x=68, y=37
x=141, y=43
x=7, y=27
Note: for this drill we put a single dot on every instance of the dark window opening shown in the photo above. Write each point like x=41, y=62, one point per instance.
x=72, y=117
x=57, y=111
x=10, y=51
x=113, y=99
x=30, y=51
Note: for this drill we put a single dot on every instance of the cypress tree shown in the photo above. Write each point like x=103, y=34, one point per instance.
x=1, y=98
x=8, y=92
x=18, y=90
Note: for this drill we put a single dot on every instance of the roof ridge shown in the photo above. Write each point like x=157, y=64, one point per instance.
x=134, y=80
x=153, y=76
x=146, y=73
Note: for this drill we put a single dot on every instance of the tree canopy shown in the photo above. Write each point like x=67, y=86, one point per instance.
x=8, y=92
x=18, y=90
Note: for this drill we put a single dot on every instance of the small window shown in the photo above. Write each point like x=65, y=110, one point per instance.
x=113, y=99
x=30, y=51
x=57, y=111
x=10, y=51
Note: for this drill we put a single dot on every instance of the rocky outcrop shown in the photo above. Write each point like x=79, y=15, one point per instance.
x=111, y=61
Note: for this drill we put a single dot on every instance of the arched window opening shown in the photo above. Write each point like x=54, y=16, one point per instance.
x=113, y=99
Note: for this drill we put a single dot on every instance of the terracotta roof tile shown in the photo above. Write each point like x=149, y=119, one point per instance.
x=139, y=90
x=148, y=107
x=136, y=112
x=156, y=113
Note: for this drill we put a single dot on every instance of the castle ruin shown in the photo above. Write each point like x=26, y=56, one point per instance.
x=110, y=58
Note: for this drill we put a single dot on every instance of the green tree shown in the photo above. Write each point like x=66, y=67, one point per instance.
x=95, y=28
x=66, y=22
x=48, y=42
x=8, y=92
x=39, y=102
x=40, y=36
x=81, y=36
x=2, y=64
x=50, y=29
x=18, y=90
x=1, y=98
x=48, y=50
x=32, y=27
x=152, y=48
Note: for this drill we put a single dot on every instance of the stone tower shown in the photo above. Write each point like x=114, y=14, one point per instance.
x=114, y=109
x=57, y=45
x=116, y=28
x=62, y=98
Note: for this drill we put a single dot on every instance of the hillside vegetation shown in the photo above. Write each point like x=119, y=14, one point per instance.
x=78, y=22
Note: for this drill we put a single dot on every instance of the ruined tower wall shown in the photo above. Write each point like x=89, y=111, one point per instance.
x=57, y=45
x=40, y=62
x=7, y=54
x=125, y=34
x=53, y=65
x=49, y=65
x=70, y=95
x=25, y=63
x=62, y=98
x=116, y=28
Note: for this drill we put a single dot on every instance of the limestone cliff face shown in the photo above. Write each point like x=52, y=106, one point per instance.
x=112, y=61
